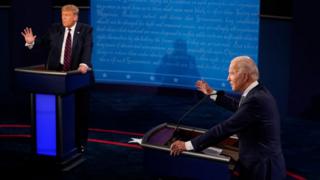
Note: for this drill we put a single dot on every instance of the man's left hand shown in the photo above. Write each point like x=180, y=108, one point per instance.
x=177, y=147
x=83, y=68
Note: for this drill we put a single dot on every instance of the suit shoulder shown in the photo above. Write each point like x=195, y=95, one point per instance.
x=262, y=96
x=84, y=26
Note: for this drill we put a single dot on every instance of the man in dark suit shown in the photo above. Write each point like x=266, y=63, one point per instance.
x=255, y=120
x=70, y=46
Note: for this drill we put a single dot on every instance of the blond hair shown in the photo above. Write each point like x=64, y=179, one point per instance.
x=70, y=7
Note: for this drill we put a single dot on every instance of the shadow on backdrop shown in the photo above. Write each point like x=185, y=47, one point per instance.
x=178, y=68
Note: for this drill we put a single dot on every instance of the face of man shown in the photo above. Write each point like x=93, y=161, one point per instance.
x=236, y=79
x=68, y=18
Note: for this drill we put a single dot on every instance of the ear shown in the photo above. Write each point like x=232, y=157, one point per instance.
x=245, y=77
x=76, y=18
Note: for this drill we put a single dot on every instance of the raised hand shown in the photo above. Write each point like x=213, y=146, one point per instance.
x=28, y=35
x=204, y=87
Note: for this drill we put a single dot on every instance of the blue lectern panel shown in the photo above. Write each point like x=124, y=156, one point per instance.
x=172, y=43
x=46, y=124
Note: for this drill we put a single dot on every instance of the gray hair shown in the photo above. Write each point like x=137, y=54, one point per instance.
x=245, y=64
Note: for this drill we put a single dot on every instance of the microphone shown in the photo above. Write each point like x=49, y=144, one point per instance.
x=176, y=131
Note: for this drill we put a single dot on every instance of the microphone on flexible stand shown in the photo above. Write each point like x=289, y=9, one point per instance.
x=175, y=133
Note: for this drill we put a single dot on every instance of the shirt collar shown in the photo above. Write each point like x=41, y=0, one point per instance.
x=72, y=28
x=249, y=88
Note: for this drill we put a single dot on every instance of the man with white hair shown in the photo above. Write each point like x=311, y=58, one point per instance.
x=255, y=120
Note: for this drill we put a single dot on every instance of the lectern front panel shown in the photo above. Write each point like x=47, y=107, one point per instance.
x=45, y=114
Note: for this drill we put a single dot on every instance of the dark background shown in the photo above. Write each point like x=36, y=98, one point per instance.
x=288, y=48
x=268, y=7
x=288, y=63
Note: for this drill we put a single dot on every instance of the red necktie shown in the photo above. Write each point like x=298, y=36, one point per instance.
x=67, y=53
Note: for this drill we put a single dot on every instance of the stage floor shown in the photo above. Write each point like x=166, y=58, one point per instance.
x=117, y=116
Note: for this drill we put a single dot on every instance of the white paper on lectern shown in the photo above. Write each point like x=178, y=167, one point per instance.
x=212, y=151
x=135, y=140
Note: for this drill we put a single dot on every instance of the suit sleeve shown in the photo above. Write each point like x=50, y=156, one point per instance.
x=87, y=47
x=226, y=101
x=241, y=119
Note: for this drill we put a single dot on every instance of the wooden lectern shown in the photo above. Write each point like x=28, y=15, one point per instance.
x=53, y=113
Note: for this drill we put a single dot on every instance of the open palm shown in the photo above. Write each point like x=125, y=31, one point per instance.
x=28, y=35
x=204, y=87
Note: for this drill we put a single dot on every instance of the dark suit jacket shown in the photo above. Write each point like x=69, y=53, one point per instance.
x=81, y=46
x=257, y=124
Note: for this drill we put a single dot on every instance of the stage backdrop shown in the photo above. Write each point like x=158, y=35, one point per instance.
x=172, y=43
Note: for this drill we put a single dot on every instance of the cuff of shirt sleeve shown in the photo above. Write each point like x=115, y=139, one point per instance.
x=83, y=64
x=189, y=146
x=29, y=45
x=213, y=95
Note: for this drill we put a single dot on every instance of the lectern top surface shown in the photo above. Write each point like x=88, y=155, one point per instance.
x=41, y=69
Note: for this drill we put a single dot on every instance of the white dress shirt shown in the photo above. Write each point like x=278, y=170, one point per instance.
x=64, y=41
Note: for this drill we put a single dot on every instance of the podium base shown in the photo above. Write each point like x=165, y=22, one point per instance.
x=52, y=164
x=72, y=162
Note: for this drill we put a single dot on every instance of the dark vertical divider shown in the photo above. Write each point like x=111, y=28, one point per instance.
x=304, y=77
x=275, y=55
x=31, y=13
x=4, y=55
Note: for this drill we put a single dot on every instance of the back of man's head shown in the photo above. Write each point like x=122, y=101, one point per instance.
x=245, y=64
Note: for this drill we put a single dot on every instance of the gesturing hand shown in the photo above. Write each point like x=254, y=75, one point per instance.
x=28, y=35
x=204, y=87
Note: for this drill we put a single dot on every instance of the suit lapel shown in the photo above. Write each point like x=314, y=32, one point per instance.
x=75, y=47
x=60, y=41
x=75, y=38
